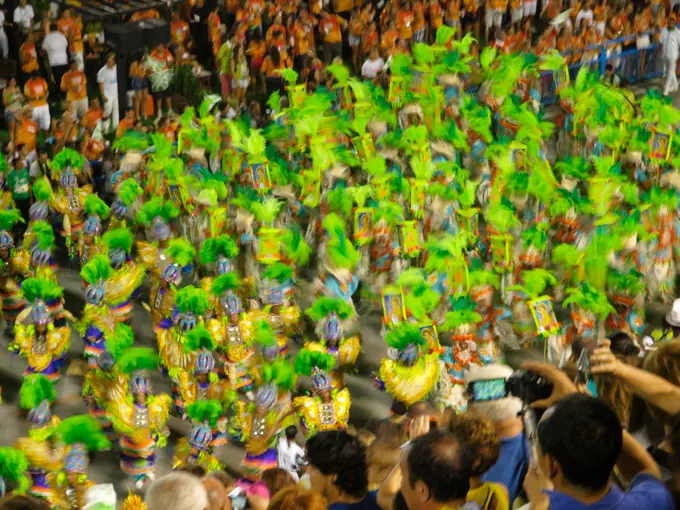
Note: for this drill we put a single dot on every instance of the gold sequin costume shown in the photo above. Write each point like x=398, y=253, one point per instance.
x=317, y=416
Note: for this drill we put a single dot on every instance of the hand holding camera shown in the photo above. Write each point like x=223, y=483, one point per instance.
x=560, y=382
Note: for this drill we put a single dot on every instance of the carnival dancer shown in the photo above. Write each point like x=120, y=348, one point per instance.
x=626, y=292
x=123, y=207
x=89, y=243
x=82, y=435
x=284, y=318
x=217, y=257
x=326, y=408
x=127, y=277
x=14, y=267
x=155, y=216
x=330, y=317
x=39, y=242
x=44, y=453
x=13, y=471
x=196, y=449
x=483, y=287
x=137, y=415
x=37, y=338
x=43, y=198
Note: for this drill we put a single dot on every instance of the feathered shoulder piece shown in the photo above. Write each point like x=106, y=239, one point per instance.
x=35, y=389
x=266, y=211
x=8, y=219
x=463, y=312
x=407, y=334
x=34, y=288
x=205, y=411
x=213, y=247
x=278, y=272
x=128, y=191
x=42, y=189
x=192, y=299
x=481, y=276
x=42, y=233
x=95, y=206
x=83, y=429
x=324, y=306
x=14, y=469
x=629, y=283
x=157, y=208
x=534, y=282
x=264, y=335
x=119, y=239
x=294, y=245
x=138, y=358
x=98, y=268
x=199, y=338
x=307, y=361
x=122, y=339
x=225, y=282
x=281, y=373
x=181, y=252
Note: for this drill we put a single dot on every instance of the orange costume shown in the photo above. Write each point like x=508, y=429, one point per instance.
x=405, y=24
x=74, y=83
x=180, y=31
x=36, y=90
x=27, y=134
x=29, y=57
x=91, y=117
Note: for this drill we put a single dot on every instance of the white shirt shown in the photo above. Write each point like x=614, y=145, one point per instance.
x=289, y=455
x=56, y=46
x=108, y=77
x=2, y=19
x=23, y=16
x=672, y=45
x=372, y=68
x=586, y=15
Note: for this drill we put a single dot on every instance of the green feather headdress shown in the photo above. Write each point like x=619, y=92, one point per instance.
x=534, y=282
x=132, y=141
x=264, y=335
x=225, y=282
x=278, y=272
x=480, y=277
x=83, y=429
x=463, y=313
x=138, y=358
x=340, y=202
x=266, y=211
x=122, y=339
x=324, y=306
x=407, y=334
x=281, y=373
x=307, y=361
x=13, y=468
x=567, y=256
x=42, y=232
x=157, y=208
x=213, y=247
x=35, y=389
x=199, y=338
x=34, y=288
x=98, y=268
x=205, y=411
x=573, y=166
x=536, y=236
x=294, y=246
x=181, y=252
x=588, y=298
x=8, y=219
x=340, y=249
x=65, y=158
x=501, y=217
x=420, y=299
x=119, y=239
x=128, y=191
x=630, y=283
x=192, y=299
x=42, y=189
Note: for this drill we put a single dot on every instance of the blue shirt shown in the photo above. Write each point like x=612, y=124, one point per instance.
x=646, y=492
x=368, y=503
x=512, y=465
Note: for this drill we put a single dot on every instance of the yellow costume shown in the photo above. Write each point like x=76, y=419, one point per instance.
x=318, y=416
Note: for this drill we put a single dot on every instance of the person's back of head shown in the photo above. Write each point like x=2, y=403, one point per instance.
x=435, y=471
x=277, y=479
x=381, y=455
x=178, y=491
x=291, y=432
x=579, y=439
x=479, y=435
x=297, y=498
x=18, y=502
x=217, y=493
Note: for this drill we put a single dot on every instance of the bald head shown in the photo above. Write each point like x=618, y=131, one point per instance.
x=177, y=490
x=217, y=494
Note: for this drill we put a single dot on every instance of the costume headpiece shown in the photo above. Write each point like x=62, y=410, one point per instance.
x=39, y=292
x=96, y=210
x=13, y=469
x=279, y=372
x=136, y=361
x=205, y=415
x=331, y=311
x=156, y=214
x=224, y=287
x=266, y=396
x=36, y=395
x=40, y=240
x=172, y=273
x=8, y=219
x=276, y=277
x=42, y=191
x=316, y=365
x=408, y=340
x=294, y=246
x=266, y=341
x=128, y=192
x=191, y=303
x=83, y=434
x=341, y=252
x=65, y=164
x=220, y=251
x=119, y=243
x=95, y=273
x=205, y=362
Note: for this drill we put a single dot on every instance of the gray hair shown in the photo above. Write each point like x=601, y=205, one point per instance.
x=178, y=491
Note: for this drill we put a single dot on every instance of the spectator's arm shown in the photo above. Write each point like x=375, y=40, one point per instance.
x=389, y=488
x=653, y=389
x=635, y=460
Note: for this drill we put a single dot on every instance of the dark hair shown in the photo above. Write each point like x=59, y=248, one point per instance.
x=584, y=436
x=225, y=479
x=443, y=463
x=23, y=503
x=197, y=471
x=623, y=344
x=277, y=479
x=291, y=432
x=275, y=56
x=337, y=453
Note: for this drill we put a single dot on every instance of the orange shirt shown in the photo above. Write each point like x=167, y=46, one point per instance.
x=36, y=90
x=255, y=9
x=27, y=134
x=389, y=40
x=231, y=6
x=180, y=31
x=91, y=118
x=331, y=29
x=435, y=13
x=344, y=5
x=29, y=57
x=276, y=36
x=163, y=56
x=74, y=83
x=123, y=126
x=369, y=40
x=168, y=132
x=405, y=24
x=257, y=49
x=357, y=24
x=138, y=70
x=213, y=26
x=499, y=4
x=271, y=71
x=148, y=14
x=300, y=38
x=64, y=25
x=94, y=149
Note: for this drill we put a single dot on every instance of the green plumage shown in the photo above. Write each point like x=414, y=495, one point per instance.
x=199, y=338
x=324, y=306
x=44, y=235
x=98, y=268
x=119, y=239
x=205, y=411
x=278, y=272
x=8, y=219
x=463, y=313
x=264, y=335
x=128, y=191
x=306, y=361
x=403, y=336
x=181, y=252
x=138, y=358
x=295, y=247
x=34, y=389
x=42, y=189
x=535, y=282
x=65, y=158
x=281, y=373
x=266, y=211
x=213, y=247
x=123, y=338
x=340, y=249
x=96, y=206
x=157, y=208
x=192, y=299
x=83, y=429
x=132, y=141
x=34, y=288
x=13, y=468
x=588, y=298
x=226, y=282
